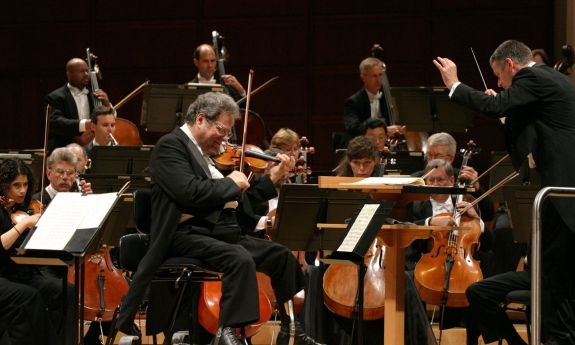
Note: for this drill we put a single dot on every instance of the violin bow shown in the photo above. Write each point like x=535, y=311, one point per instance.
x=246, y=114
x=258, y=89
x=131, y=95
x=46, y=129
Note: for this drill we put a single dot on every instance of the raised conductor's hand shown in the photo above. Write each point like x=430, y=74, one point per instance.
x=448, y=71
x=239, y=179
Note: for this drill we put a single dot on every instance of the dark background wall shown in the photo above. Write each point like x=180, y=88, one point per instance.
x=313, y=46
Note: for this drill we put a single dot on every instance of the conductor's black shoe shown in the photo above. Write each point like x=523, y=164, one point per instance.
x=300, y=338
x=226, y=336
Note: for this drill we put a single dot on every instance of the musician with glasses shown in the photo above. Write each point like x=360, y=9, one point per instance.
x=196, y=214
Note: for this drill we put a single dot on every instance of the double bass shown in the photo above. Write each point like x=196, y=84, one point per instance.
x=403, y=139
x=126, y=133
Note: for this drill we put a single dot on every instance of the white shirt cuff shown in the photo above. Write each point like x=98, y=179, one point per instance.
x=261, y=223
x=453, y=88
x=83, y=125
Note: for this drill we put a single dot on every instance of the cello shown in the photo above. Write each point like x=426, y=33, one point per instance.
x=340, y=286
x=443, y=274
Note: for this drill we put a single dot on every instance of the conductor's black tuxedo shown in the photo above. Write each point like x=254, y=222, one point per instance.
x=64, y=121
x=540, y=111
x=357, y=109
x=182, y=184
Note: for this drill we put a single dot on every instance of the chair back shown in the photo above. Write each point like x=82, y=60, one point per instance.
x=133, y=247
x=143, y=210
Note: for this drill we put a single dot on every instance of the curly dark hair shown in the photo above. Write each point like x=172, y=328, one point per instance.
x=9, y=170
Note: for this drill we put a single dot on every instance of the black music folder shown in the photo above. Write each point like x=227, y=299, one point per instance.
x=67, y=228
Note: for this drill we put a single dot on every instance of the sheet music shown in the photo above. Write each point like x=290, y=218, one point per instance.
x=66, y=213
x=374, y=181
x=358, y=228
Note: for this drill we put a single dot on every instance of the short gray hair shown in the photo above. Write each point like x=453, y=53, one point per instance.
x=514, y=50
x=443, y=139
x=437, y=163
x=367, y=63
x=61, y=154
x=212, y=104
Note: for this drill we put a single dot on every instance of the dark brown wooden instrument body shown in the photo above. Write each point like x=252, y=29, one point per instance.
x=127, y=133
x=430, y=270
x=340, y=286
x=100, y=275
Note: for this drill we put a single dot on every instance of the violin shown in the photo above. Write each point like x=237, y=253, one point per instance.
x=255, y=159
x=443, y=274
x=17, y=213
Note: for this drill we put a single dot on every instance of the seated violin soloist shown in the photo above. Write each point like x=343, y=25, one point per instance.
x=196, y=212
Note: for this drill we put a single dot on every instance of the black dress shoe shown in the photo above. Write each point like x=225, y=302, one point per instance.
x=300, y=338
x=226, y=336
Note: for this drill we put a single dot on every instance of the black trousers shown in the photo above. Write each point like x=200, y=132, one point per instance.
x=238, y=257
x=24, y=319
x=557, y=287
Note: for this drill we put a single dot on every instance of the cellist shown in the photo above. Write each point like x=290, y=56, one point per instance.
x=432, y=212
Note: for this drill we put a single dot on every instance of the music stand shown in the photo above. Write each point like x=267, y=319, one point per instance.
x=428, y=109
x=120, y=160
x=520, y=206
x=164, y=105
x=302, y=206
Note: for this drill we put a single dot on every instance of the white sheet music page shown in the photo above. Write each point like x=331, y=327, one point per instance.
x=66, y=213
x=392, y=180
x=358, y=228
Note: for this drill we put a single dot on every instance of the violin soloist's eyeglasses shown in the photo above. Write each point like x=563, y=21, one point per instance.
x=222, y=130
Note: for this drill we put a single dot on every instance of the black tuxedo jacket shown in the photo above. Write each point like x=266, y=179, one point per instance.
x=182, y=184
x=540, y=111
x=64, y=121
x=357, y=109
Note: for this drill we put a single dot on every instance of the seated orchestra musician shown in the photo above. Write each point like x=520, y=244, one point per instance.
x=62, y=173
x=84, y=162
x=186, y=183
x=30, y=304
x=103, y=124
x=376, y=130
x=432, y=212
x=362, y=159
x=71, y=106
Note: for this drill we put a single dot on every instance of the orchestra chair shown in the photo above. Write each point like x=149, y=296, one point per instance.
x=184, y=272
x=519, y=301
